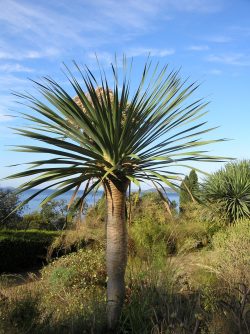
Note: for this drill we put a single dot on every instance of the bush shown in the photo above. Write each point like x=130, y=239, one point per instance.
x=149, y=205
x=82, y=269
x=229, y=189
x=70, y=299
x=96, y=214
x=33, y=220
x=9, y=200
x=151, y=239
x=224, y=279
x=231, y=257
x=198, y=224
x=21, y=250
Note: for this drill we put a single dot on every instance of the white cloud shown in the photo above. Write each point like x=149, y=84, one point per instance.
x=237, y=59
x=60, y=26
x=106, y=58
x=219, y=39
x=128, y=14
x=79, y=23
x=215, y=72
x=137, y=52
x=13, y=54
x=4, y=118
x=11, y=82
x=198, y=48
x=240, y=30
x=200, y=6
x=15, y=68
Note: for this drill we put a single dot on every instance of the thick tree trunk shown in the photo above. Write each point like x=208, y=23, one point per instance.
x=116, y=250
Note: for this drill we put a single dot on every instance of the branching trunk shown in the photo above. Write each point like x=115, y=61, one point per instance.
x=116, y=249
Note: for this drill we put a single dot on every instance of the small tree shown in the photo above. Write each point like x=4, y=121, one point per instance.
x=189, y=189
x=56, y=216
x=111, y=139
x=9, y=200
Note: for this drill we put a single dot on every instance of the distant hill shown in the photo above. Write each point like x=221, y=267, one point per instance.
x=90, y=200
x=167, y=189
x=98, y=193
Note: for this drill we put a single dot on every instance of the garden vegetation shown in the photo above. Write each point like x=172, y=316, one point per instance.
x=138, y=263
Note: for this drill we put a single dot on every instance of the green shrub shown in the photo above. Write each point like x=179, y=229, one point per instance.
x=189, y=189
x=33, y=220
x=151, y=239
x=231, y=256
x=153, y=301
x=82, y=269
x=9, y=200
x=150, y=206
x=96, y=214
x=74, y=295
x=196, y=226
x=223, y=278
x=20, y=250
x=229, y=189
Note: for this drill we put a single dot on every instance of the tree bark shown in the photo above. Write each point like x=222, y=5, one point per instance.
x=116, y=249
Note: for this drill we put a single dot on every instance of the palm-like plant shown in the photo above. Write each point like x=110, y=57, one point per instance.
x=112, y=140
x=229, y=189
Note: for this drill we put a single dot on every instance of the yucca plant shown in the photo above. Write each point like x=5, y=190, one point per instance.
x=110, y=136
x=229, y=188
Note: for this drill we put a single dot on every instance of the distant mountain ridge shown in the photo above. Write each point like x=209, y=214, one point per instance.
x=167, y=189
x=92, y=197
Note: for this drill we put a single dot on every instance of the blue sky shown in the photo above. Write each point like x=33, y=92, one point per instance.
x=209, y=40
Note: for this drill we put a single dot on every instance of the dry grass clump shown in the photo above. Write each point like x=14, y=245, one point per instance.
x=72, y=240
x=230, y=255
x=223, y=276
x=69, y=297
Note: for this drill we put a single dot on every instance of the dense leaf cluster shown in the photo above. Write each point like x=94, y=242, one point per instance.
x=229, y=190
x=111, y=133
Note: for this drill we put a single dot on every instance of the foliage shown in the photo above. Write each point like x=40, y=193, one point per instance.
x=70, y=297
x=189, y=189
x=33, y=220
x=96, y=214
x=223, y=277
x=153, y=303
x=54, y=214
x=72, y=240
x=77, y=270
x=9, y=200
x=104, y=134
x=231, y=259
x=149, y=205
x=151, y=239
x=229, y=189
x=152, y=232
x=112, y=138
x=199, y=222
x=22, y=250
x=20, y=315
